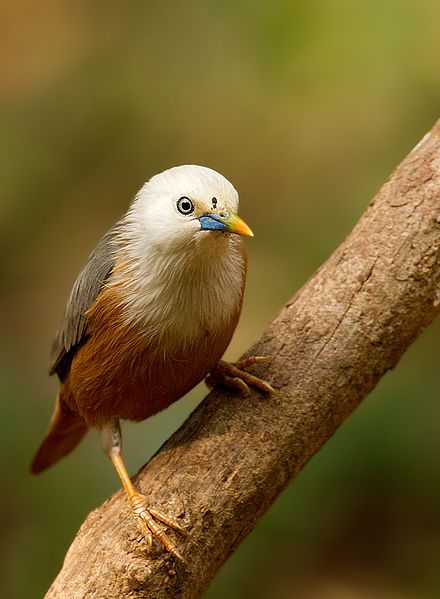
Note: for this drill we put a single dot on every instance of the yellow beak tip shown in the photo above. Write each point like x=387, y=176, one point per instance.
x=238, y=226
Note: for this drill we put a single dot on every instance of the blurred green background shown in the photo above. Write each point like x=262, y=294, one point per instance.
x=306, y=107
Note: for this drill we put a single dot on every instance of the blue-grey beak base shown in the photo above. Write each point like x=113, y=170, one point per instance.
x=211, y=222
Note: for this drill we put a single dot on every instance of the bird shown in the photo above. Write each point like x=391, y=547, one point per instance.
x=149, y=316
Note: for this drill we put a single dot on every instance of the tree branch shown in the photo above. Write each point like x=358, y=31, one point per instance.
x=331, y=344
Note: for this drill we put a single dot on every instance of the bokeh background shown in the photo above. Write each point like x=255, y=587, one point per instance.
x=306, y=107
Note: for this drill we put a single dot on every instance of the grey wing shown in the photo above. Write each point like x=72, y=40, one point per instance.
x=90, y=281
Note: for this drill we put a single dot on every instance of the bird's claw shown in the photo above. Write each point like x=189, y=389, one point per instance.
x=146, y=521
x=234, y=375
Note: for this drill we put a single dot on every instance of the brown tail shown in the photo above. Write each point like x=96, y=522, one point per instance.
x=66, y=430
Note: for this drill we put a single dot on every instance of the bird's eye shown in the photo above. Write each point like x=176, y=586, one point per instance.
x=185, y=206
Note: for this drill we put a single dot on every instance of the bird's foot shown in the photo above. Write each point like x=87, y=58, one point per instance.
x=146, y=521
x=234, y=375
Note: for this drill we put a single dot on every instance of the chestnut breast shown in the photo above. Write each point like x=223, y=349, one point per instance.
x=122, y=371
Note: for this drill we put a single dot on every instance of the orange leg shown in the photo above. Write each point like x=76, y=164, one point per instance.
x=111, y=441
x=234, y=375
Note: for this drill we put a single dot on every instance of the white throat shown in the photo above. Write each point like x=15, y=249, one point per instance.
x=178, y=296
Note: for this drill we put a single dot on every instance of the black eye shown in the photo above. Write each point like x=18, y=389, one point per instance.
x=185, y=206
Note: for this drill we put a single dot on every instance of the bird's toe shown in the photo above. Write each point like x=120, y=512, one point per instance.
x=146, y=520
x=234, y=375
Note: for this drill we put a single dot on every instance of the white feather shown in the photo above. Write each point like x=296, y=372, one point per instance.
x=178, y=282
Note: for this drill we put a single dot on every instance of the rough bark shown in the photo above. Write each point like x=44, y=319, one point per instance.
x=330, y=344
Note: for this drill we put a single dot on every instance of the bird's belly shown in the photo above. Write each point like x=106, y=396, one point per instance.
x=133, y=381
x=156, y=383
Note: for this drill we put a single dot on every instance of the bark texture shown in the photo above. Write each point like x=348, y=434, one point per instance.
x=330, y=344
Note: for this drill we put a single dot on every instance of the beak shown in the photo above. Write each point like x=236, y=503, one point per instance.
x=225, y=220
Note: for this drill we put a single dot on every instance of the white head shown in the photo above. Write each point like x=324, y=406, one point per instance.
x=181, y=266
x=185, y=205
